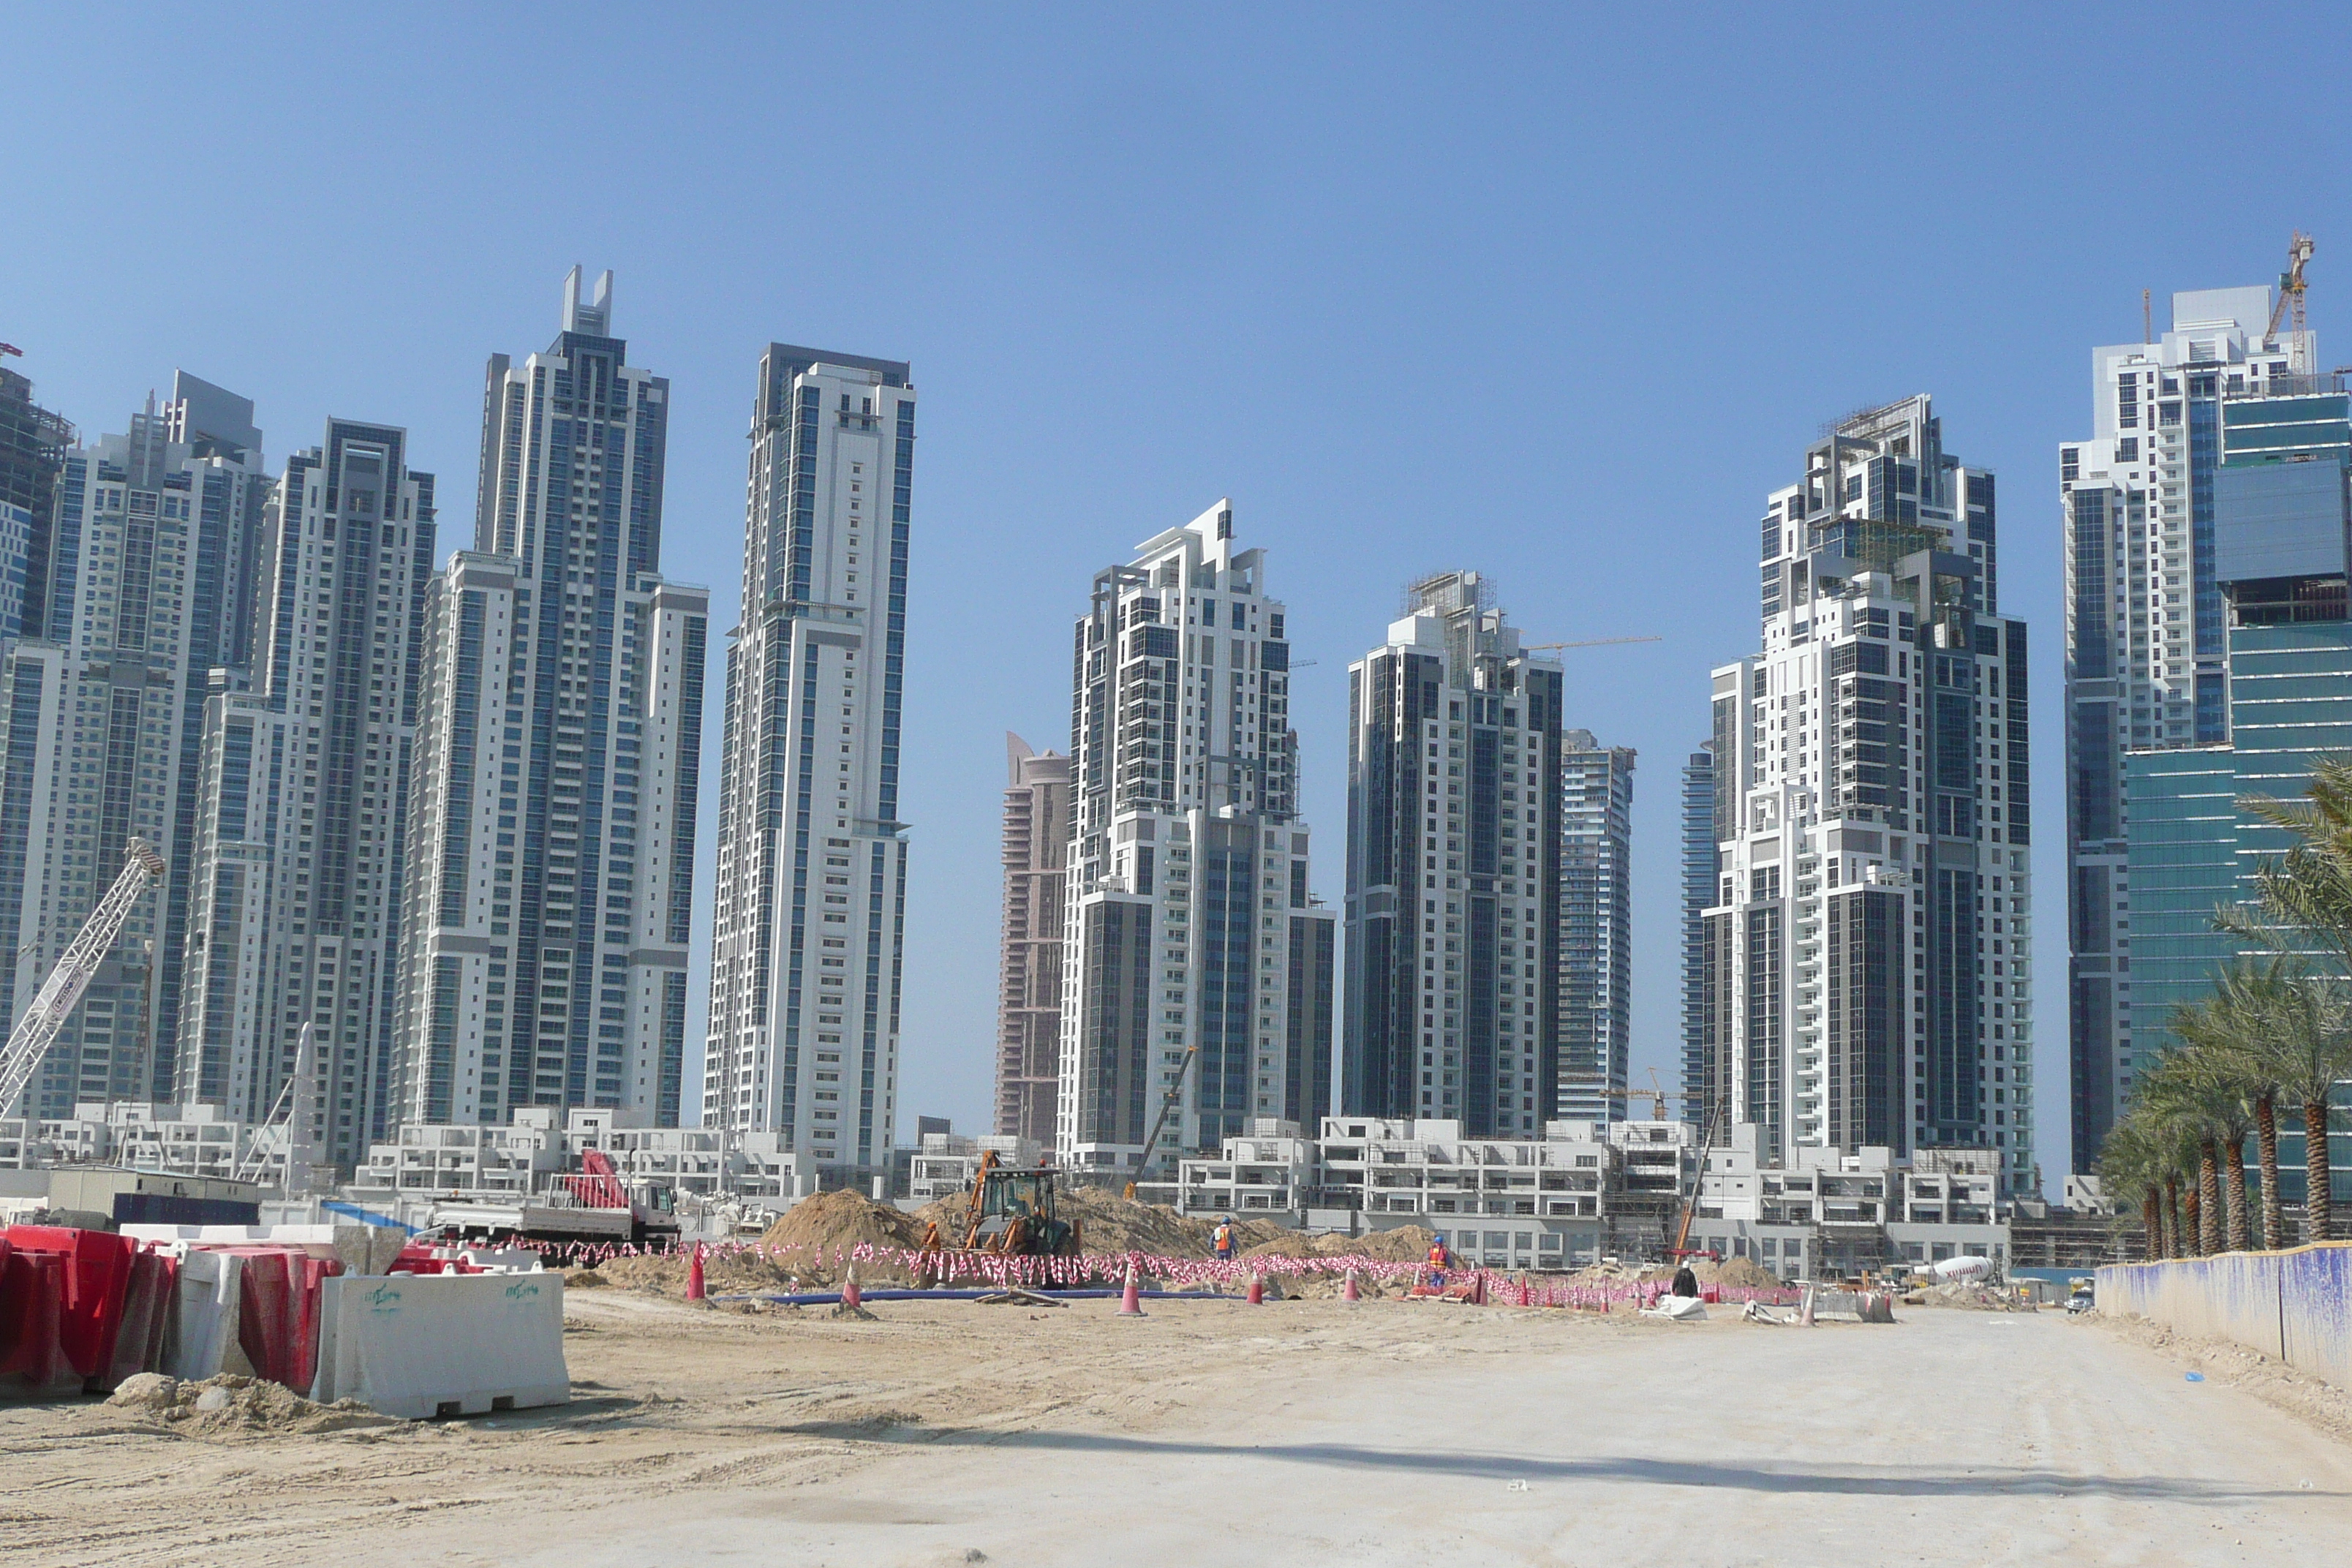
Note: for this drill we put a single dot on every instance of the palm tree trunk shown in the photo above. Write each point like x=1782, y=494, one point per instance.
x=2318, y=1220
x=2172, y=1247
x=2209, y=1198
x=2233, y=1191
x=2151, y=1241
x=2192, y=1233
x=2266, y=1142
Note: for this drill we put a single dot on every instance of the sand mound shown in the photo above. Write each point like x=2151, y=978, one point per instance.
x=1109, y=1223
x=1406, y=1244
x=843, y=1218
x=1741, y=1273
x=1969, y=1298
x=237, y=1406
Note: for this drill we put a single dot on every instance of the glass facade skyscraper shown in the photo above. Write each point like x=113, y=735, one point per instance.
x=1702, y=862
x=1596, y=927
x=549, y=899
x=1455, y=837
x=2147, y=632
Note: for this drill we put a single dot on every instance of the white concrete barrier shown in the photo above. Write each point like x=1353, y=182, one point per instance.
x=419, y=1345
x=361, y=1248
x=204, y=1334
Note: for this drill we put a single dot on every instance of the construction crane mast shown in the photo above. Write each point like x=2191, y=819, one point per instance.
x=2290, y=290
x=76, y=968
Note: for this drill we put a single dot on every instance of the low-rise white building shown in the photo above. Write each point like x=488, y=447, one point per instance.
x=947, y=1161
x=1590, y=1190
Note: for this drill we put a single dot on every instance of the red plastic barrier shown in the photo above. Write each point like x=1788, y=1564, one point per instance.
x=148, y=1307
x=277, y=1311
x=91, y=1277
x=32, y=1301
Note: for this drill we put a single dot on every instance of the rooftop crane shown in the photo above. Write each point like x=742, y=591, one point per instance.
x=37, y=1031
x=1589, y=642
x=2291, y=286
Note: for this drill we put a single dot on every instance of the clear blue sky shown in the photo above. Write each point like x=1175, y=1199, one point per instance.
x=1553, y=295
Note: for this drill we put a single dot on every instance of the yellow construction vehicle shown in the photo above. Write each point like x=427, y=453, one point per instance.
x=1009, y=1211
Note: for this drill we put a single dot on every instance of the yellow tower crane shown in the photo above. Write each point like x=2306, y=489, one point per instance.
x=2290, y=289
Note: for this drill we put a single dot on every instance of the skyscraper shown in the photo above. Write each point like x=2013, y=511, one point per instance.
x=2147, y=629
x=1596, y=927
x=148, y=556
x=1454, y=899
x=33, y=443
x=811, y=857
x=1194, y=954
x=1702, y=859
x=299, y=827
x=1869, y=950
x=1029, y=968
x=550, y=894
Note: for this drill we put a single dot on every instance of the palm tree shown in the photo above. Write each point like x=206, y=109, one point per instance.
x=2128, y=1175
x=2204, y=1087
x=2303, y=905
x=2303, y=1049
x=2261, y=1000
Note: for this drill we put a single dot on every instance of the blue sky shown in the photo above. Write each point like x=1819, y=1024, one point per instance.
x=1556, y=295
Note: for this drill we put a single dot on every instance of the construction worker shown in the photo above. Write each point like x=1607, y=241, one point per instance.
x=1225, y=1239
x=1440, y=1260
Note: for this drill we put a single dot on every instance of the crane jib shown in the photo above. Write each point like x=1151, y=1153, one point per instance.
x=75, y=969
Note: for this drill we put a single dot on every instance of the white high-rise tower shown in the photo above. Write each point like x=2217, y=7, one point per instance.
x=804, y=973
x=299, y=831
x=1189, y=927
x=146, y=585
x=1868, y=957
x=559, y=733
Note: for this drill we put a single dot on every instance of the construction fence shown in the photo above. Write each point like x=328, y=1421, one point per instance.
x=2295, y=1305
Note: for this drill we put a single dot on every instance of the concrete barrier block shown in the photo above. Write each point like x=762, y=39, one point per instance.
x=210, y=1286
x=419, y=1345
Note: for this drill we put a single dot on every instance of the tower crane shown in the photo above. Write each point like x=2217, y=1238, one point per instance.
x=2291, y=286
x=1589, y=642
x=37, y=1031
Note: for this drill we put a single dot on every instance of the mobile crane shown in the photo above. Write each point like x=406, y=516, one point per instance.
x=38, y=1030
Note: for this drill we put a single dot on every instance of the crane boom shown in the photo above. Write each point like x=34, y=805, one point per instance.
x=1589, y=642
x=1151, y=1143
x=75, y=969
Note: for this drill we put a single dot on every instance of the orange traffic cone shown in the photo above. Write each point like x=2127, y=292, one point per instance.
x=1130, y=1300
x=695, y=1290
x=849, y=1287
x=1350, y=1293
x=1257, y=1290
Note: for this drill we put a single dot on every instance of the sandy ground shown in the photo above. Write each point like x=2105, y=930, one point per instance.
x=1212, y=1433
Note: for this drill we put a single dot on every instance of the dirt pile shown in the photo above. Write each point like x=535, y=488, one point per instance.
x=1967, y=1297
x=1109, y=1223
x=232, y=1406
x=843, y=1218
x=1739, y=1273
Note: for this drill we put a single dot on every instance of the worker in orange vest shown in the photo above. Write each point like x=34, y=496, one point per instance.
x=1440, y=1260
x=1225, y=1239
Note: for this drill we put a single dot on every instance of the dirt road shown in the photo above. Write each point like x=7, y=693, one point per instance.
x=1212, y=1433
